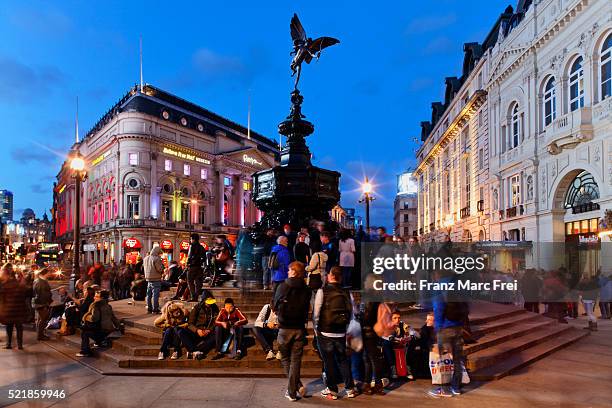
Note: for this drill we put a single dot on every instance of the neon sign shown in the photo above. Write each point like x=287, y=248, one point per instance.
x=100, y=158
x=251, y=160
x=187, y=156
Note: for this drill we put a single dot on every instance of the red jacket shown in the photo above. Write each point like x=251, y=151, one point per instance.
x=236, y=318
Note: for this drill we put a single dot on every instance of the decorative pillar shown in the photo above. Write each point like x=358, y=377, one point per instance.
x=220, y=196
x=240, y=198
x=154, y=197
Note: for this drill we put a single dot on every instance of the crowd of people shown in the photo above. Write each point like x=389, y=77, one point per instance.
x=27, y=297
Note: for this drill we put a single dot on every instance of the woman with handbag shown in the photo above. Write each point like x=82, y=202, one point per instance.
x=316, y=269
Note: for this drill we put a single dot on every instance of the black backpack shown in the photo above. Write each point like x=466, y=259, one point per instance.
x=289, y=308
x=273, y=261
x=336, y=310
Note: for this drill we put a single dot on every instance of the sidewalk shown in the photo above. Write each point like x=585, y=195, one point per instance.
x=577, y=376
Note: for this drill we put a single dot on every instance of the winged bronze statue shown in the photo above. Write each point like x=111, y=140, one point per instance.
x=304, y=48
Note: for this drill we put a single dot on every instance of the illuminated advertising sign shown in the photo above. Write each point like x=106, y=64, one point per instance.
x=406, y=184
x=166, y=244
x=100, y=158
x=251, y=160
x=132, y=243
x=183, y=155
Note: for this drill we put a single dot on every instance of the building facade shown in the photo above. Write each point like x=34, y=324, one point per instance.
x=545, y=171
x=160, y=168
x=28, y=231
x=405, y=207
x=6, y=206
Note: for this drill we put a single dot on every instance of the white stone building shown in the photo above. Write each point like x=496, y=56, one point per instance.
x=546, y=173
x=160, y=168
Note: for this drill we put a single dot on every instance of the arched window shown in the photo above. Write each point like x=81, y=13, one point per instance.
x=515, y=127
x=582, y=190
x=550, y=102
x=576, y=85
x=606, y=68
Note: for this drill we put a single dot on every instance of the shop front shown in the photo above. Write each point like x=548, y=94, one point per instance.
x=583, y=247
x=131, y=250
x=167, y=251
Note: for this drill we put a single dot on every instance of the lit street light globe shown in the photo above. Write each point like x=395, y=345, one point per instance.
x=77, y=164
x=367, y=187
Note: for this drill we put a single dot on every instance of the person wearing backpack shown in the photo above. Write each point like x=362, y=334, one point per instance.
x=279, y=261
x=450, y=313
x=331, y=316
x=195, y=273
x=291, y=304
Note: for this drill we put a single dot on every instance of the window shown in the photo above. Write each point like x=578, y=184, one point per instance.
x=447, y=192
x=185, y=212
x=133, y=206
x=167, y=188
x=166, y=211
x=405, y=217
x=133, y=183
x=480, y=159
x=606, y=68
x=246, y=186
x=515, y=190
x=133, y=158
x=106, y=211
x=202, y=214
x=576, y=85
x=187, y=169
x=168, y=165
x=550, y=102
x=227, y=181
x=515, y=126
x=203, y=174
x=582, y=190
x=467, y=183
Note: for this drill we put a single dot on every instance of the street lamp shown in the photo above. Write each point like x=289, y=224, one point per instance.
x=366, y=188
x=77, y=166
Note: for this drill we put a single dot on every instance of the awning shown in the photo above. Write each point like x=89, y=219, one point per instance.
x=132, y=243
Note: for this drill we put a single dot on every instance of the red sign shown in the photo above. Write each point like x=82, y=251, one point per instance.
x=166, y=244
x=132, y=243
x=184, y=245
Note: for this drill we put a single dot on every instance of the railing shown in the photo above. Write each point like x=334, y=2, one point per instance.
x=465, y=212
x=511, y=212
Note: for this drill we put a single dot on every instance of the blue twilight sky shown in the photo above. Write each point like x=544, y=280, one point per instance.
x=366, y=96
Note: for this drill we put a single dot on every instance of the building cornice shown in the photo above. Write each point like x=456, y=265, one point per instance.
x=471, y=107
x=525, y=51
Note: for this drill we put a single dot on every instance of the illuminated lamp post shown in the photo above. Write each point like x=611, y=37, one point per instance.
x=77, y=166
x=366, y=188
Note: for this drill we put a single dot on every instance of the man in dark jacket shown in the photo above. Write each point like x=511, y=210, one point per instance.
x=195, y=258
x=90, y=292
x=41, y=301
x=269, y=242
x=331, y=315
x=199, y=336
x=281, y=253
x=98, y=323
x=291, y=303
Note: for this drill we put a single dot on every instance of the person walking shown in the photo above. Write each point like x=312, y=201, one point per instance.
x=291, y=305
x=13, y=313
x=449, y=317
x=268, y=244
x=347, y=257
x=331, y=316
x=153, y=270
x=195, y=258
x=301, y=250
x=605, y=295
x=589, y=288
x=41, y=302
x=279, y=261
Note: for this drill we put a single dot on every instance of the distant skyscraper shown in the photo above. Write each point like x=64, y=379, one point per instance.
x=6, y=205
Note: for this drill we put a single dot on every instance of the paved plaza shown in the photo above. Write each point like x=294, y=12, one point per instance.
x=578, y=376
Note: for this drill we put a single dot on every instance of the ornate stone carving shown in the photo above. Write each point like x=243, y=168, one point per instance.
x=529, y=187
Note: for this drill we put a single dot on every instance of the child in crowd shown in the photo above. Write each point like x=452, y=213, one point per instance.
x=230, y=321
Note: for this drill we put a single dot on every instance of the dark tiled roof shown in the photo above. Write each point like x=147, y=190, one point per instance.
x=154, y=101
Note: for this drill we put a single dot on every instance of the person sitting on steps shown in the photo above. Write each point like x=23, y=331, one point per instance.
x=266, y=330
x=198, y=337
x=98, y=323
x=173, y=316
x=230, y=321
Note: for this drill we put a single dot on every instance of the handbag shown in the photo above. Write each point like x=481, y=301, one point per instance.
x=442, y=368
x=353, y=336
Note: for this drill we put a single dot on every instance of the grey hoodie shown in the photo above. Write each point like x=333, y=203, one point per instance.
x=153, y=265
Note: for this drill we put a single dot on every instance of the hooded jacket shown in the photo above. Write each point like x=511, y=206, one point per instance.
x=153, y=265
x=284, y=259
x=101, y=314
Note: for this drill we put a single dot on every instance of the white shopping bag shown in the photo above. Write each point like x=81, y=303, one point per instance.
x=442, y=367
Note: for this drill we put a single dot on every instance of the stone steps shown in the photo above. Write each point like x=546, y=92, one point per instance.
x=494, y=354
x=528, y=356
